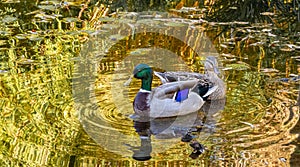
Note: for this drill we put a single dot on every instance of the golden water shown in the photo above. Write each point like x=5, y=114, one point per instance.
x=63, y=102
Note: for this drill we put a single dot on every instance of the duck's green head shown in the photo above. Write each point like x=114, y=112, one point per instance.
x=144, y=72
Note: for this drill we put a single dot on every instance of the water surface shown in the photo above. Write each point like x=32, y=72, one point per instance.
x=63, y=102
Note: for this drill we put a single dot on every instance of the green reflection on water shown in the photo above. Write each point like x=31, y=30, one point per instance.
x=39, y=125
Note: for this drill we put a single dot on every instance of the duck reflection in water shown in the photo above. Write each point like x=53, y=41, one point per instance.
x=186, y=128
x=143, y=152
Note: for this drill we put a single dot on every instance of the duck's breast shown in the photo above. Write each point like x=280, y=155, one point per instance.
x=141, y=104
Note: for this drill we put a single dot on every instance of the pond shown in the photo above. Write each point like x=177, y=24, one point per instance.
x=64, y=102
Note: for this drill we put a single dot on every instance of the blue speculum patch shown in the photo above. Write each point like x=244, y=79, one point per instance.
x=181, y=95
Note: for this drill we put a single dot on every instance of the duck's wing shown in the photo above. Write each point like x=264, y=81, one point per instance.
x=169, y=89
x=166, y=77
x=210, y=91
x=162, y=103
x=204, y=86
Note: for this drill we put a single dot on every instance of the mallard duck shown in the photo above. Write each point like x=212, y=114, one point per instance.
x=205, y=81
x=167, y=100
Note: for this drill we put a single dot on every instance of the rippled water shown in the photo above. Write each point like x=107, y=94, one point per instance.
x=251, y=128
x=58, y=109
